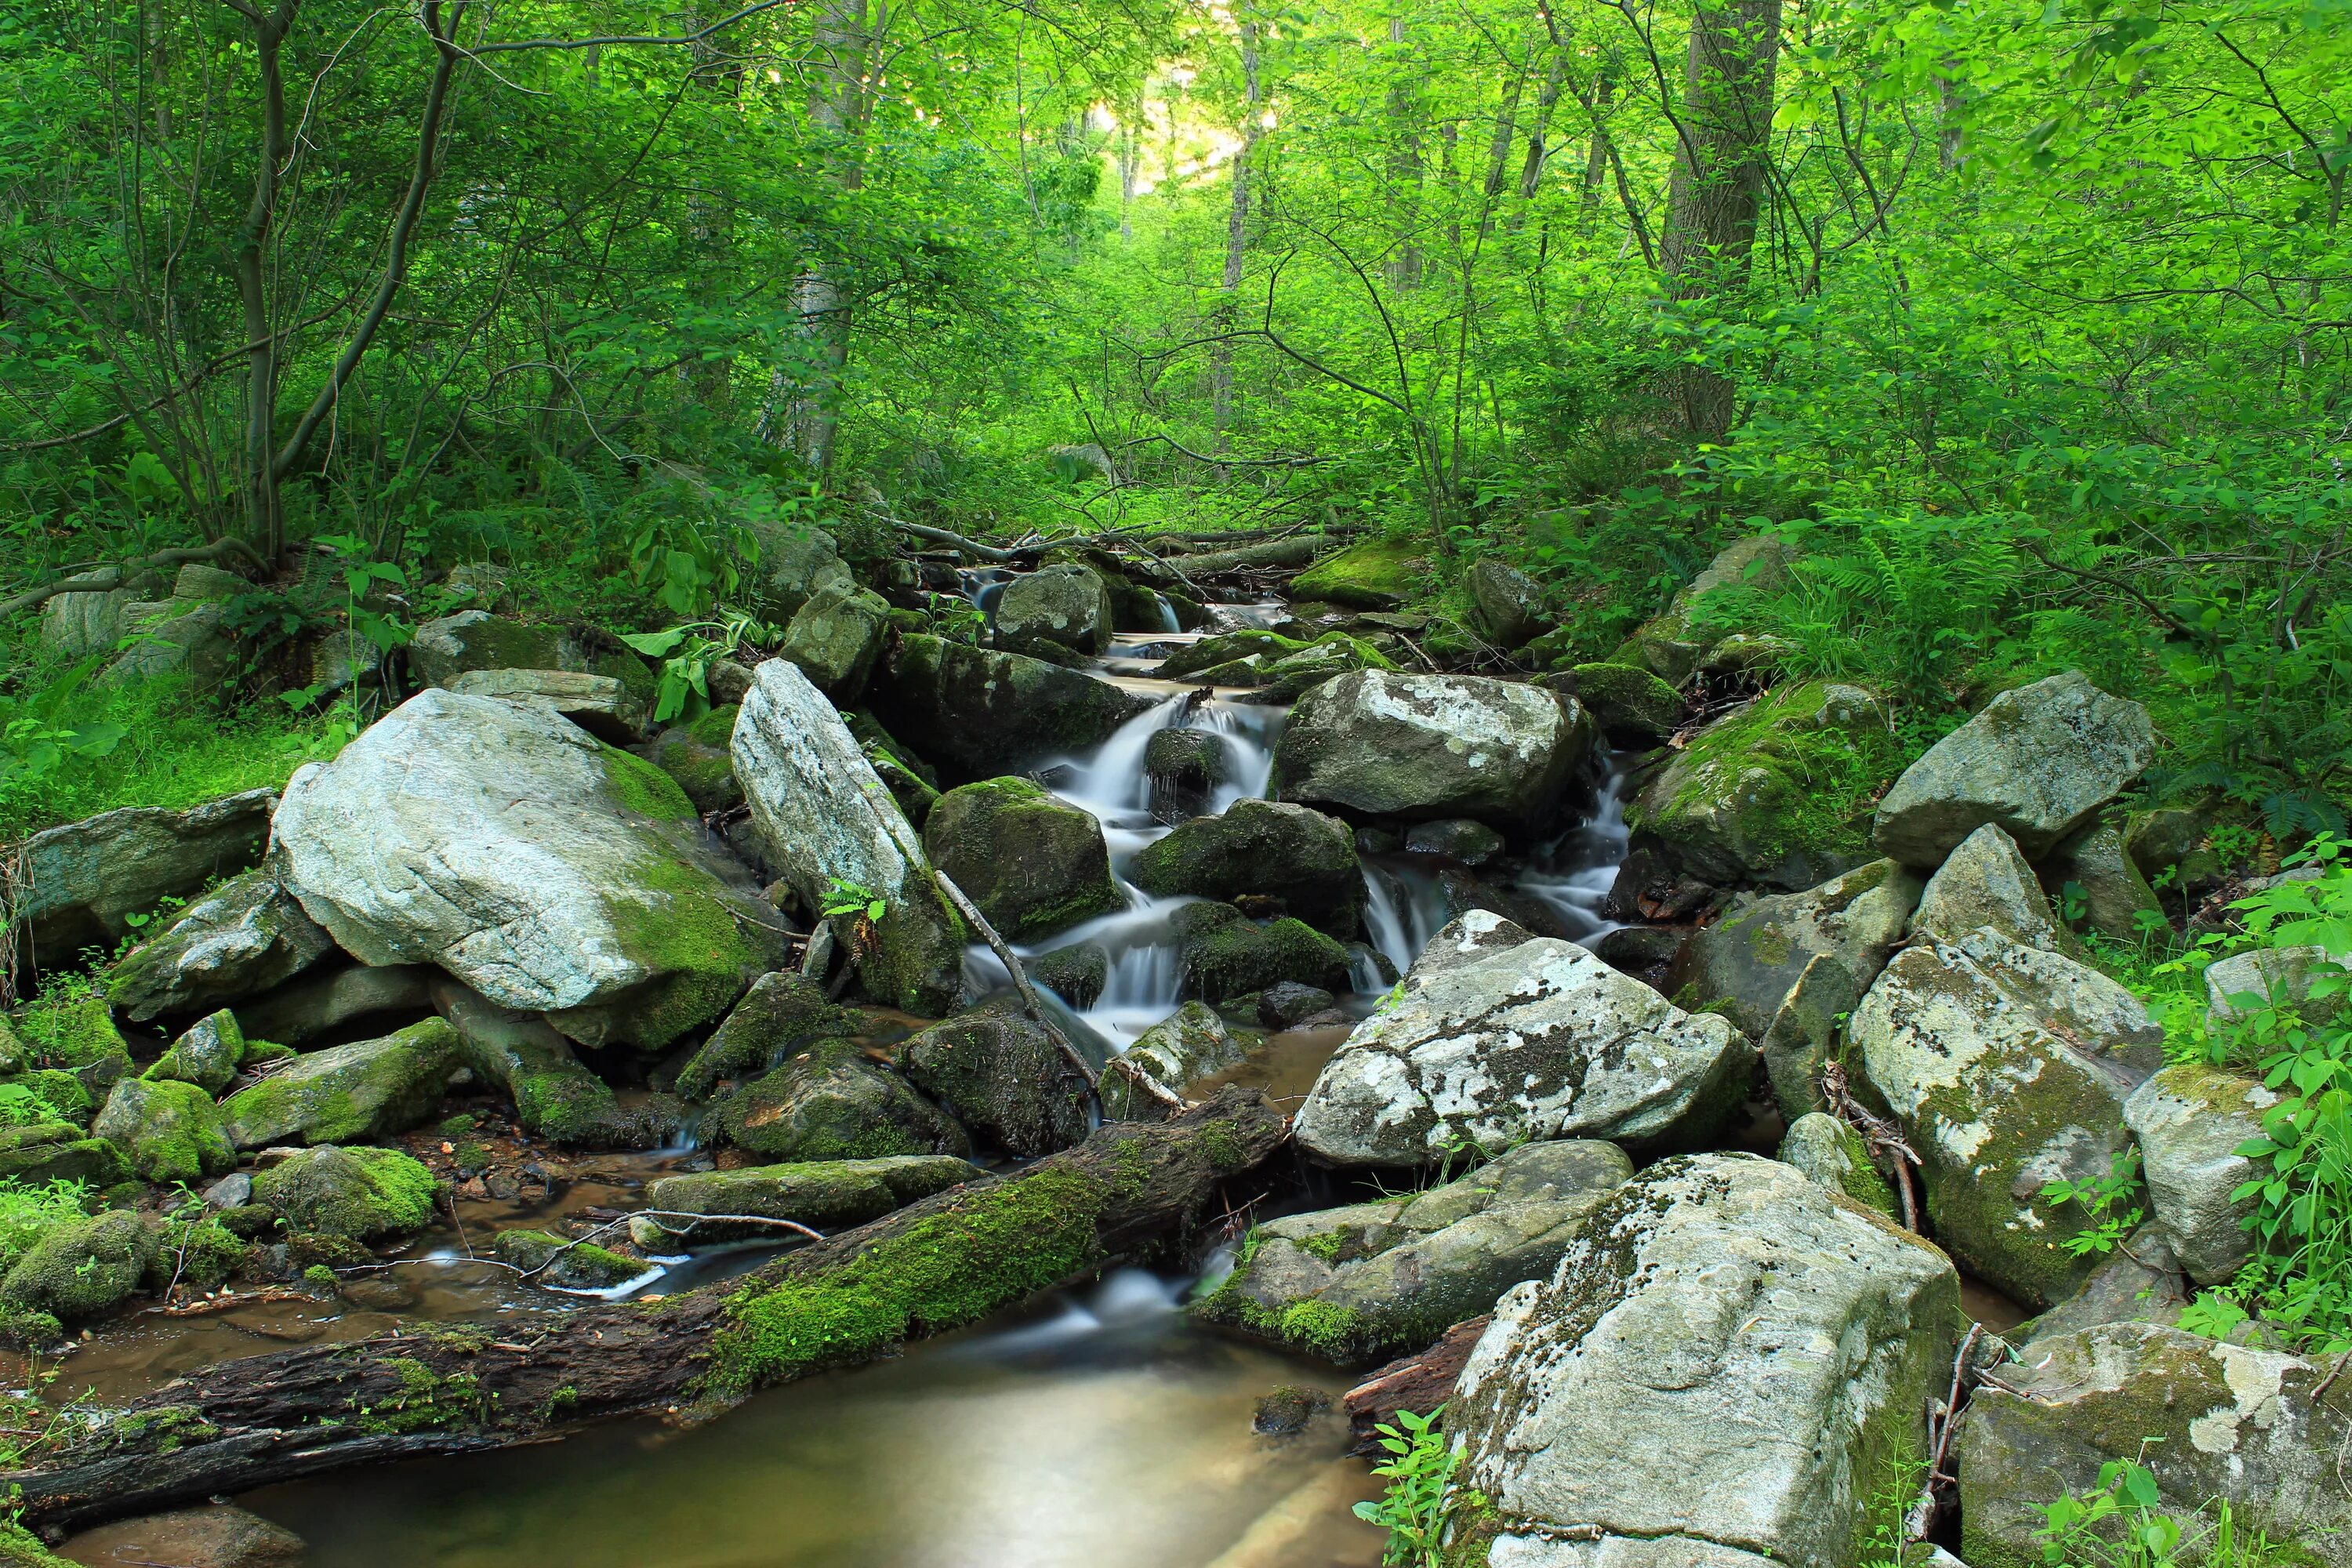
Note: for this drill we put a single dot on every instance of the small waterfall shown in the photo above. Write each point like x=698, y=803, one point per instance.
x=1168, y=621
x=1112, y=783
x=1574, y=873
x=1402, y=909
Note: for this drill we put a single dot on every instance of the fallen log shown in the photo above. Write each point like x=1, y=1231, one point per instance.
x=1298, y=549
x=944, y=1263
x=1419, y=1383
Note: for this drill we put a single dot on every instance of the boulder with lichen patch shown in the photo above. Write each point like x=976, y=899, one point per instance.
x=835, y=637
x=2037, y=762
x=89, y=880
x=1064, y=608
x=2191, y=1120
x=1745, y=964
x=170, y=1131
x=1190, y=1043
x=1987, y=882
x=994, y=1070
x=2007, y=1068
x=368, y=1089
x=1293, y=853
x=830, y=1100
x=359, y=1193
x=241, y=938
x=547, y=871
x=1034, y=863
x=1509, y=603
x=1541, y=1040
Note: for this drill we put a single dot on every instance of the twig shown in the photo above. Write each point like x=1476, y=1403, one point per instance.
x=1879, y=1134
x=1921, y=1519
x=1029, y=998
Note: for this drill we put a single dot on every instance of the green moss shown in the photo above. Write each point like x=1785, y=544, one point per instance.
x=20, y=1548
x=1227, y=955
x=1375, y=576
x=194, y=1256
x=681, y=927
x=54, y=1093
x=81, y=1268
x=567, y=1103
x=24, y=1329
x=643, y=788
x=261, y=1053
x=356, y=1193
x=994, y=1246
x=171, y=1130
x=716, y=728
x=69, y=1028
x=422, y=1400
x=1327, y=1245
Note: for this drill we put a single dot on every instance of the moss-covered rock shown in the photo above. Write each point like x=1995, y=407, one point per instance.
x=1510, y=604
x=1225, y=954
x=44, y=1094
x=1674, y=644
x=1033, y=863
x=2099, y=887
x=835, y=637
x=823, y=1194
x=241, y=938
x=170, y=1131
x=206, y=1056
x=88, y=880
x=1191, y=1043
x=1076, y=974
x=1745, y=965
x=194, y=1252
x=1249, y=647
x=566, y=1265
x=1377, y=574
x=782, y=1014
x=82, y=1267
x=554, y=1096
x=830, y=1100
x=913, y=783
x=44, y=1151
x=69, y=1028
x=369, y=1088
x=980, y=712
x=2191, y=1120
x=694, y=754
x=1275, y=848
x=1778, y=792
x=1833, y=1154
x=1065, y=608
x=998, y=1072
x=1633, y=706
x=359, y=1193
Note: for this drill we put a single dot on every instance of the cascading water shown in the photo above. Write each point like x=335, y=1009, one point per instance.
x=1574, y=873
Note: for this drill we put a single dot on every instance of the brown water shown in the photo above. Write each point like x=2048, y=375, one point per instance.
x=1108, y=1434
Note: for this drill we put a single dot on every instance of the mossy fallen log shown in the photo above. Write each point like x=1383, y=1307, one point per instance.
x=942, y=1264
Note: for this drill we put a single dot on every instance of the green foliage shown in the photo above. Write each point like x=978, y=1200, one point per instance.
x=2102, y=1199
x=1422, y=1495
x=688, y=652
x=30, y=1213
x=2119, y=1525
x=845, y=900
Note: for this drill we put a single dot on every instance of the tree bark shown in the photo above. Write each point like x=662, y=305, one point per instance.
x=943, y=1263
x=837, y=108
x=1221, y=357
x=1405, y=172
x=264, y=523
x=1723, y=138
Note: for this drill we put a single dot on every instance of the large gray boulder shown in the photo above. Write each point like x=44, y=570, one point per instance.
x=978, y=712
x=835, y=637
x=546, y=871
x=1729, y=1366
x=1033, y=862
x=1745, y=964
x=243, y=937
x=1510, y=602
x=1542, y=1041
x=2213, y=1421
x=87, y=622
x=1063, y=607
x=1467, y=938
x=826, y=814
x=2036, y=762
x=1395, y=743
x=1361, y=1284
x=2191, y=1120
x=86, y=880
x=1987, y=882
x=1293, y=853
x=2006, y=1069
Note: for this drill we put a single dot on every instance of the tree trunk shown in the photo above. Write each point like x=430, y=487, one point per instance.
x=943, y=1263
x=1404, y=171
x=264, y=523
x=1723, y=138
x=1221, y=357
x=837, y=108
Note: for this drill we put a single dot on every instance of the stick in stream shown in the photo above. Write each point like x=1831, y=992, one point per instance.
x=946, y=1262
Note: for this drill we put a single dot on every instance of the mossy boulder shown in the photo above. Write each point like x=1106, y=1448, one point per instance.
x=88, y=880
x=1987, y=882
x=1377, y=574
x=369, y=1088
x=980, y=712
x=1361, y=1284
x=823, y=1194
x=1833, y=1154
x=2007, y=1068
x=1076, y=974
x=243, y=937
x=830, y=1100
x=1065, y=608
x=1190, y=1043
x=83, y=1267
x=1226, y=954
x=780, y=1014
x=45, y=1093
x=998, y=1072
x=1777, y=793
x=206, y=1054
x=563, y=1264
x=797, y=560
x=554, y=1096
x=68, y=1028
x=44, y=1151
x=913, y=783
x=1270, y=847
x=1632, y=707
x=1510, y=604
x=835, y=637
x=1745, y=965
x=1250, y=649
x=170, y=1131
x=694, y=754
x=1033, y=863
x=474, y=642
x=359, y=1193
x=1674, y=644
x=545, y=870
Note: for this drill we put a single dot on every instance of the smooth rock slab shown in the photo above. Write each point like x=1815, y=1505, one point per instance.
x=1729, y=1360
x=2191, y=1121
x=1987, y=882
x=546, y=871
x=217, y=1537
x=88, y=878
x=2036, y=762
x=1541, y=1040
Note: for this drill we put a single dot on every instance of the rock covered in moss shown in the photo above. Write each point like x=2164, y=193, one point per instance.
x=68, y=1030
x=1541, y=1040
x=1510, y=604
x=1270, y=847
x=831, y=1101
x=830, y=820
x=44, y=1152
x=83, y=1267
x=1076, y=974
x=1778, y=793
x=368, y=1089
x=1674, y=644
x=780, y=1014
x=2006, y=1069
x=835, y=637
x=1066, y=607
x=554, y=1096
x=1188, y=1043
x=1458, y=840
x=1250, y=645
x=1226, y=954
x=980, y=712
x=1358, y=1285
x=823, y=1194
x=1987, y=882
x=1421, y=746
x=2191, y=1120
x=2211, y=1421
x=89, y=878
x=1728, y=1360
x=797, y=560
x=1032, y=862
x=1632, y=707
x=2038, y=763
x=547, y=871
x=245, y=936
x=695, y=755
x=206, y=1055
x=1833, y=1154
x=1377, y=574
x=1746, y=965
x=994, y=1070
x=170, y=1131
x=359, y=1192
x=563, y=1264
